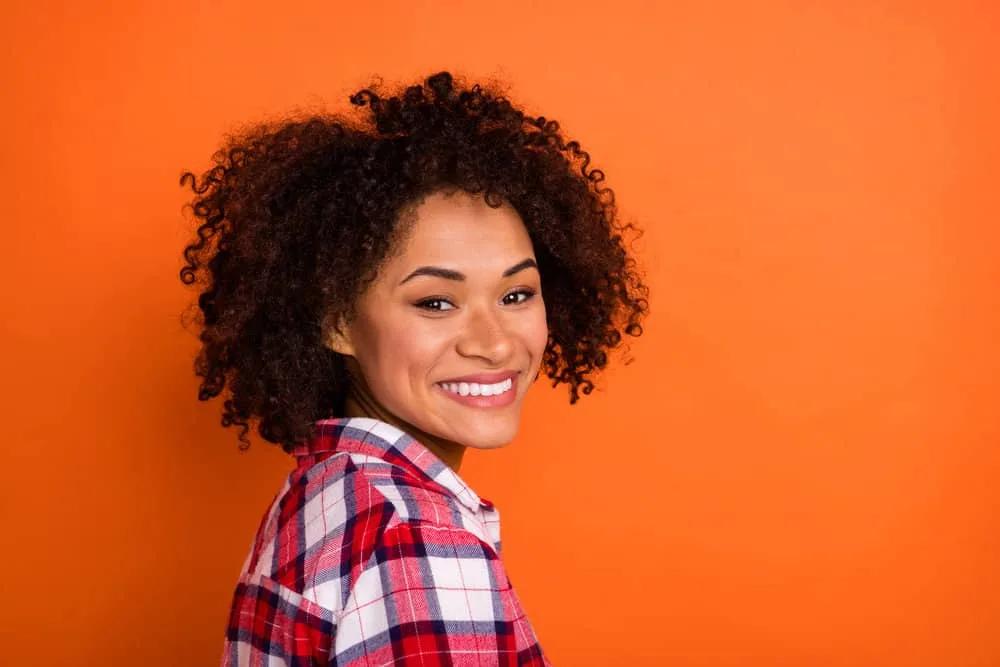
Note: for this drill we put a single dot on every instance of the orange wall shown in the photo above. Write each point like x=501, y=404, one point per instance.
x=800, y=468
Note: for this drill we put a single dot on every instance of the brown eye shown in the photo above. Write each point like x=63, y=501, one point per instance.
x=435, y=304
x=518, y=296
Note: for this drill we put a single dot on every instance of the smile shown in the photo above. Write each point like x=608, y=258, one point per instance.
x=482, y=394
x=477, y=389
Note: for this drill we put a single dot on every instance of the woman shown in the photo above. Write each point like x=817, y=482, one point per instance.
x=371, y=292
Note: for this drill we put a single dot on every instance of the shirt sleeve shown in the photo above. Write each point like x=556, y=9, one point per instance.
x=433, y=595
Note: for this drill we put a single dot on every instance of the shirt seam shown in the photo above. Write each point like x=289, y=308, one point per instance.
x=394, y=521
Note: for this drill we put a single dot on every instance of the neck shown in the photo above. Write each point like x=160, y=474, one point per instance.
x=361, y=403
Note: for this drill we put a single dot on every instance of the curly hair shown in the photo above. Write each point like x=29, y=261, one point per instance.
x=295, y=218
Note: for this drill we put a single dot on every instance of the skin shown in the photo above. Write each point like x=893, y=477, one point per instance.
x=411, y=331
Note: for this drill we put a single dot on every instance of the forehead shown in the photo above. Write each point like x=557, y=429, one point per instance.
x=462, y=229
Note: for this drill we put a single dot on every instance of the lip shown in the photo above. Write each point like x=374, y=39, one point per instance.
x=484, y=378
x=494, y=401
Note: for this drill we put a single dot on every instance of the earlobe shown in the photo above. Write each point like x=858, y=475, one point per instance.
x=338, y=339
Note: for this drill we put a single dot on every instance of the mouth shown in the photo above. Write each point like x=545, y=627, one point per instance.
x=487, y=390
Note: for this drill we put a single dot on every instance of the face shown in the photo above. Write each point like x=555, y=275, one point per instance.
x=450, y=335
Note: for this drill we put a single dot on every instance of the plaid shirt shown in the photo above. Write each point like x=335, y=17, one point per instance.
x=376, y=553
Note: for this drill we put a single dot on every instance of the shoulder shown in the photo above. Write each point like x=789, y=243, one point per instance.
x=335, y=511
x=412, y=497
x=343, y=485
x=440, y=588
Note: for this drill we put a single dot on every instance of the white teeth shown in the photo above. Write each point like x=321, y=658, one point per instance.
x=476, y=389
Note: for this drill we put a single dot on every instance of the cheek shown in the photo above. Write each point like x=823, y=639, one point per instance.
x=398, y=352
x=536, y=334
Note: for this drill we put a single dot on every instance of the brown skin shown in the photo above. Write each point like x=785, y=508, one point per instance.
x=295, y=217
x=361, y=403
x=411, y=332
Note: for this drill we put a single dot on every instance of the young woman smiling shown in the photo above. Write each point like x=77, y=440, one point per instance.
x=377, y=295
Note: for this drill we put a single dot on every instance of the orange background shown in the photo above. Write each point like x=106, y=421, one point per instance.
x=800, y=468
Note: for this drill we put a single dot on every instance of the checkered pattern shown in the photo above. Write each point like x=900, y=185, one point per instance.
x=376, y=553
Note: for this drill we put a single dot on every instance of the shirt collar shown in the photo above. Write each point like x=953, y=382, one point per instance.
x=361, y=435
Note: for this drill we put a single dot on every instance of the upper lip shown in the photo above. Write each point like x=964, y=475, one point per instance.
x=483, y=378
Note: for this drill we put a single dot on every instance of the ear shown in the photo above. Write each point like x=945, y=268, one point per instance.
x=338, y=338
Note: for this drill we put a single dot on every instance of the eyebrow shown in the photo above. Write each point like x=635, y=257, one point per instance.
x=450, y=274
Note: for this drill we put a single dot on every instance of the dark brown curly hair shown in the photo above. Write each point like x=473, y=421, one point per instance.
x=295, y=219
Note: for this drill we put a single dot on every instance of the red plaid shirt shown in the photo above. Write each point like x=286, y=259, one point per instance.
x=376, y=553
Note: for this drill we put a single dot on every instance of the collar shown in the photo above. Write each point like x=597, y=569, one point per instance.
x=372, y=437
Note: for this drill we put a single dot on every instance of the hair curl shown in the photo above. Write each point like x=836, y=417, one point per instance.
x=296, y=217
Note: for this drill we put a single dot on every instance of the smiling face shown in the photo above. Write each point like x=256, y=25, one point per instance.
x=450, y=335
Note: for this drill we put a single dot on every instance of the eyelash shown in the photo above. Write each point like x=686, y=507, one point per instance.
x=426, y=303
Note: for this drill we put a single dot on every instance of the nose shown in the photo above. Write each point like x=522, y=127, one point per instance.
x=485, y=336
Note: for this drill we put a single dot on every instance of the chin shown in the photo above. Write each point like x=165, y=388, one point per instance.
x=487, y=434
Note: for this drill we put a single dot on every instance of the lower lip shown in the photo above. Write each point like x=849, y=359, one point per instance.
x=496, y=401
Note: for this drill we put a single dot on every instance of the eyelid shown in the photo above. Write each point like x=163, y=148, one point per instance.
x=530, y=293
x=421, y=304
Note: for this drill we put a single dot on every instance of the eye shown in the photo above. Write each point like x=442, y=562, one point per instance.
x=435, y=304
x=517, y=296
